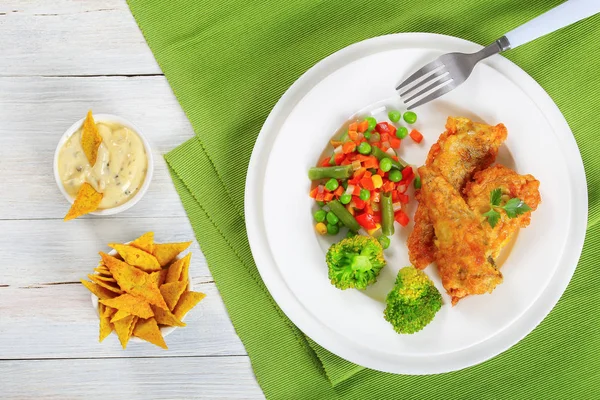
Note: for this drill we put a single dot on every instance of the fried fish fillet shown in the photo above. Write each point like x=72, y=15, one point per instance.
x=477, y=193
x=461, y=242
x=463, y=149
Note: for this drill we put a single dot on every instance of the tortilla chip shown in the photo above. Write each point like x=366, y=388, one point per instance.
x=134, y=281
x=87, y=200
x=187, y=301
x=120, y=314
x=132, y=326
x=148, y=330
x=136, y=257
x=106, y=278
x=90, y=138
x=123, y=329
x=165, y=253
x=165, y=317
x=107, y=285
x=105, y=328
x=162, y=276
x=145, y=242
x=176, y=268
x=102, y=271
x=171, y=292
x=100, y=292
x=131, y=304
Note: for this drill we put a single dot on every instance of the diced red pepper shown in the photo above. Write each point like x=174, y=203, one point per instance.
x=403, y=198
x=367, y=183
x=339, y=191
x=325, y=162
x=402, y=186
x=384, y=148
x=377, y=218
x=346, y=162
x=375, y=197
x=313, y=193
x=367, y=174
x=359, y=173
x=363, y=126
x=353, y=181
x=401, y=217
x=408, y=173
x=328, y=197
x=356, y=191
x=348, y=147
x=358, y=202
x=382, y=127
x=366, y=221
x=416, y=135
x=395, y=142
x=338, y=158
x=384, y=137
x=395, y=197
x=368, y=209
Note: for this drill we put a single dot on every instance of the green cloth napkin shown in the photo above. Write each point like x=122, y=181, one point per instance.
x=229, y=61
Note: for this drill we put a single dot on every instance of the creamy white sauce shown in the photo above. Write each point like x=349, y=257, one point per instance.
x=120, y=168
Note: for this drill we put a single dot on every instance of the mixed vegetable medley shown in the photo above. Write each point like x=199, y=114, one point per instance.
x=363, y=183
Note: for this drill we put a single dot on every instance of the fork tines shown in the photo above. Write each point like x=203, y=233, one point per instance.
x=433, y=80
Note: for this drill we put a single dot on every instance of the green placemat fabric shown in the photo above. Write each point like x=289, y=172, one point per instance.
x=229, y=61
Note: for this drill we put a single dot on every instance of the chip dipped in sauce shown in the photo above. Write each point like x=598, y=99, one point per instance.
x=120, y=168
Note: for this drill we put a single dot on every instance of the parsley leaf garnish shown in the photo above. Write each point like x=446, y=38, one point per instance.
x=513, y=207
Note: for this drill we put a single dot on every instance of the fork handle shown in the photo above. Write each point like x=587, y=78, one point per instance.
x=560, y=16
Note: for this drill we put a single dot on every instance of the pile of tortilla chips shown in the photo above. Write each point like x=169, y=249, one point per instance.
x=87, y=199
x=143, y=287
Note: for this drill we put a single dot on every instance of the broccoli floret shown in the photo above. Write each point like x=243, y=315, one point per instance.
x=413, y=302
x=355, y=262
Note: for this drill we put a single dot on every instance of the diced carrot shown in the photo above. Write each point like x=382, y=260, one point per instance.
x=339, y=191
x=328, y=197
x=346, y=162
x=395, y=158
x=350, y=208
x=358, y=202
x=401, y=218
x=416, y=135
x=392, y=129
x=384, y=137
x=348, y=147
x=363, y=126
x=338, y=158
x=403, y=198
x=367, y=183
x=395, y=142
x=313, y=193
x=359, y=173
x=335, y=143
x=375, y=196
x=384, y=148
x=353, y=181
x=367, y=174
x=356, y=191
x=371, y=162
x=353, y=126
x=325, y=163
x=368, y=209
x=320, y=196
x=353, y=135
x=380, y=172
x=362, y=158
x=388, y=186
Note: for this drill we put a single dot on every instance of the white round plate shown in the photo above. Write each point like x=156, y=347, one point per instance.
x=290, y=256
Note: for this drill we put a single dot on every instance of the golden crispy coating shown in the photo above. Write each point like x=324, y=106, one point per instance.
x=463, y=149
x=460, y=243
x=524, y=187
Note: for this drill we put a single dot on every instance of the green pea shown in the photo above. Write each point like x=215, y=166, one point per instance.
x=372, y=122
x=320, y=215
x=365, y=194
x=350, y=234
x=364, y=148
x=384, y=241
x=332, y=184
x=410, y=117
x=402, y=132
x=417, y=182
x=385, y=164
x=320, y=203
x=345, y=198
x=333, y=229
x=367, y=135
x=332, y=218
x=395, y=176
x=394, y=115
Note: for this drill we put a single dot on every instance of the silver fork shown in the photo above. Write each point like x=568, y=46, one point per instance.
x=450, y=70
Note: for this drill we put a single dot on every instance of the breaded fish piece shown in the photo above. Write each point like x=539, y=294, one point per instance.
x=477, y=192
x=463, y=149
x=461, y=241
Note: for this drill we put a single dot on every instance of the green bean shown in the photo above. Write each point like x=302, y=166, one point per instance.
x=387, y=215
x=380, y=155
x=344, y=215
x=339, y=172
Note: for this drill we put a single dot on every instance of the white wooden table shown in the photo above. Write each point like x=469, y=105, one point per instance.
x=57, y=60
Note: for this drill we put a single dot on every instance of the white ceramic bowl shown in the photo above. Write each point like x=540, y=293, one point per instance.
x=164, y=330
x=150, y=167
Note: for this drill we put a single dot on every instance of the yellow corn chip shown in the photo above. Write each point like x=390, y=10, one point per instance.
x=145, y=242
x=105, y=278
x=102, y=271
x=176, y=268
x=171, y=292
x=132, y=326
x=107, y=285
x=165, y=317
x=162, y=276
x=123, y=329
x=105, y=328
x=148, y=330
x=131, y=304
x=100, y=292
x=90, y=138
x=87, y=200
x=120, y=314
x=134, y=281
x=136, y=257
x=165, y=253
x=187, y=301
